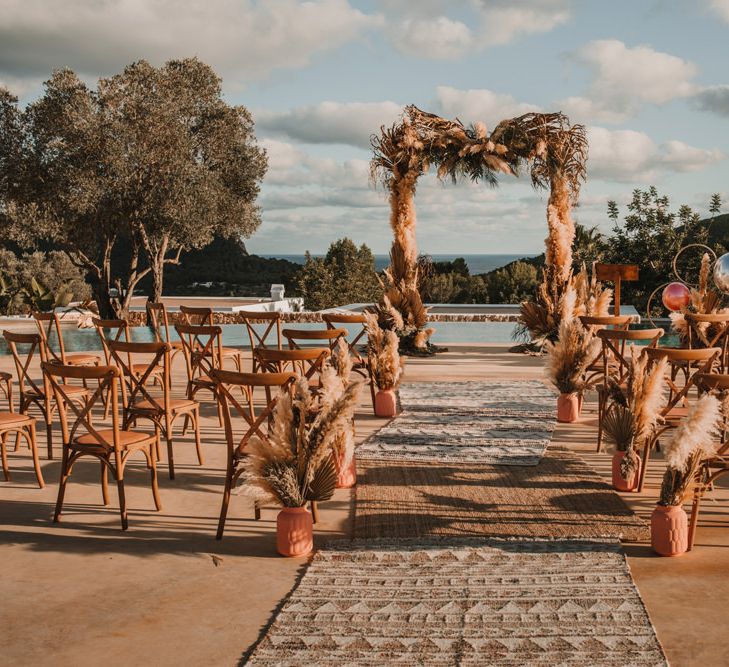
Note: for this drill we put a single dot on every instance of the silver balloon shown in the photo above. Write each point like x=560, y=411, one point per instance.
x=721, y=273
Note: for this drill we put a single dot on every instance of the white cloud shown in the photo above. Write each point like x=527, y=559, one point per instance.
x=241, y=38
x=626, y=156
x=624, y=78
x=714, y=99
x=430, y=30
x=720, y=7
x=330, y=122
x=479, y=104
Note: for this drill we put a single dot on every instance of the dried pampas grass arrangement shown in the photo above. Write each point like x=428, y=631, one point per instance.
x=295, y=464
x=569, y=357
x=694, y=440
x=385, y=359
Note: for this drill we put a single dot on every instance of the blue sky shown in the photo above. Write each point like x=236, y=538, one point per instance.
x=648, y=78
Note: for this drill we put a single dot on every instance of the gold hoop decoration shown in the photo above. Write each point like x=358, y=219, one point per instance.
x=680, y=252
x=648, y=305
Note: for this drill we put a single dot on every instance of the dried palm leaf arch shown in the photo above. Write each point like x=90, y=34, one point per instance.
x=554, y=151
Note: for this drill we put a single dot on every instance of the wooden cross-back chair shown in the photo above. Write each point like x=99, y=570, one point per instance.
x=49, y=324
x=138, y=401
x=33, y=392
x=301, y=338
x=307, y=362
x=204, y=316
x=6, y=386
x=265, y=340
x=19, y=425
x=595, y=323
x=160, y=323
x=615, y=363
x=717, y=465
x=717, y=338
x=361, y=362
x=693, y=364
x=254, y=422
x=112, y=447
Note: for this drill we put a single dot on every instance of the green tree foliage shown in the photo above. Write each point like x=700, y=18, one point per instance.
x=346, y=274
x=513, y=283
x=650, y=235
x=588, y=247
x=153, y=158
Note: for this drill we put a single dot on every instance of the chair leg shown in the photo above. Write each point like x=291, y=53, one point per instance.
x=256, y=510
x=314, y=511
x=196, y=425
x=694, y=518
x=226, y=502
x=33, y=443
x=49, y=439
x=6, y=470
x=104, y=483
x=644, y=467
x=152, y=463
x=170, y=455
x=122, y=501
x=65, y=473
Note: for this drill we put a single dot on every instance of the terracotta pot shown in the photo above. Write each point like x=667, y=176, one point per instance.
x=294, y=531
x=346, y=477
x=385, y=403
x=669, y=530
x=620, y=484
x=567, y=408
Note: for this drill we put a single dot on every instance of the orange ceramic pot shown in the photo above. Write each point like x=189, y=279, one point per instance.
x=294, y=531
x=346, y=477
x=669, y=530
x=620, y=484
x=385, y=403
x=567, y=408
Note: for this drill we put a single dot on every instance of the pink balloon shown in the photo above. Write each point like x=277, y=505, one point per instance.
x=676, y=296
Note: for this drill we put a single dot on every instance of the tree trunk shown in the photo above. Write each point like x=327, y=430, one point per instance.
x=157, y=266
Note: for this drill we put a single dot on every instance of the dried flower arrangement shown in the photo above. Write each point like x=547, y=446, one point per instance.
x=631, y=420
x=295, y=463
x=569, y=357
x=592, y=298
x=693, y=441
x=385, y=359
x=705, y=300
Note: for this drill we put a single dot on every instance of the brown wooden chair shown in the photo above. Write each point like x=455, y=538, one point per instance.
x=265, y=340
x=615, y=363
x=111, y=446
x=49, y=324
x=595, y=323
x=694, y=364
x=717, y=336
x=716, y=466
x=21, y=426
x=139, y=403
x=37, y=392
x=254, y=422
x=203, y=316
x=160, y=323
x=361, y=363
x=301, y=338
x=307, y=363
x=6, y=386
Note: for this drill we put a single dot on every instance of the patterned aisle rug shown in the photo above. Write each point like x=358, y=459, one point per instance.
x=499, y=423
x=493, y=602
x=561, y=497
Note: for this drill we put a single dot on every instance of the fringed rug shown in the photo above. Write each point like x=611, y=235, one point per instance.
x=499, y=423
x=504, y=602
x=561, y=497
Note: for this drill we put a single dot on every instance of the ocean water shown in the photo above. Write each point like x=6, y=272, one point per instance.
x=476, y=263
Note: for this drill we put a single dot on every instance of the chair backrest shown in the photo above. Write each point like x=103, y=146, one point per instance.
x=601, y=321
x=49, y=324
x=23, y=361
x=201, y=316
x=134, y=385
x=298, y=337
x=107, y=378
x=117, y=330
x=230, y=406
x=717, y=333
x=332, y=321
x=613, y=349
x=159, y=320
x=703, y=358
x=307, y=362
x=265, y=340
x=202, y=347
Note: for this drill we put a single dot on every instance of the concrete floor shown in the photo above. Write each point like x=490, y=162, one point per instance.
x=83, y=591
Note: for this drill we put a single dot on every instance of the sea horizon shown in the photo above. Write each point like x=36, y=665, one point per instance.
x=477, y=263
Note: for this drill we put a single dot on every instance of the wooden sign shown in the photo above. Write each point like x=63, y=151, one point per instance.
x=616, y=273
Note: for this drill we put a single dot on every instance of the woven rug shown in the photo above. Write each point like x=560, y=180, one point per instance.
x=561, y=497
x=500, y=423
x=464, y=603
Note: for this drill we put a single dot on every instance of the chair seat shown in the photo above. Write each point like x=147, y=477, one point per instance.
x=676, y=413
x=176, y=405
x=82, y=359
x=14, y=418
x=5, y=376
x=231, y=352
x=71, y=389
x=127, y=439
x=141, y=369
